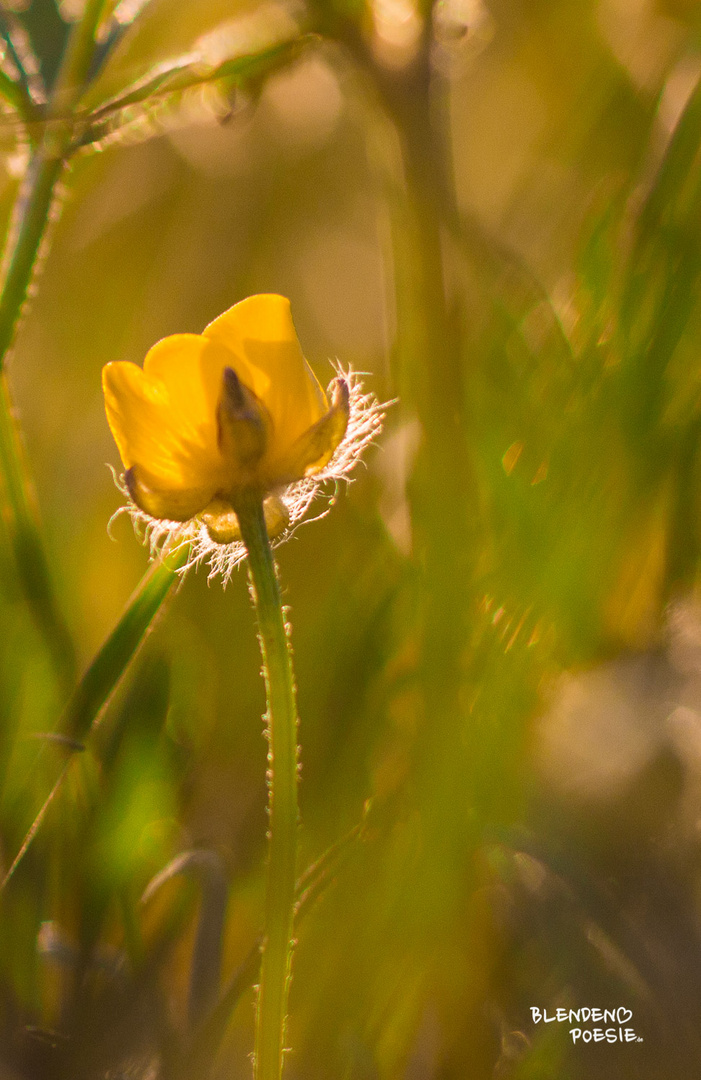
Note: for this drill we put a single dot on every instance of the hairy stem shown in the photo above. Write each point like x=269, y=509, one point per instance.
x=32, y=211
x=29, y=222
x=19, y=506
x=282, y=796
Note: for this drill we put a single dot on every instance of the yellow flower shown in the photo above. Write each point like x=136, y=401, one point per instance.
x=228, y=415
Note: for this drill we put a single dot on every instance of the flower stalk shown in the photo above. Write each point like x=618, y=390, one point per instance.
x=283, y=810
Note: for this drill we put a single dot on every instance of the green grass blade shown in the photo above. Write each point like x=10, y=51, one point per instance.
x=660, y=286
x=106, y=671
x=207, y=868
x=113, y=659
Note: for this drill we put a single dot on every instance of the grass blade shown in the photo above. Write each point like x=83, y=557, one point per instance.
x=113, y=659
x=106, y=671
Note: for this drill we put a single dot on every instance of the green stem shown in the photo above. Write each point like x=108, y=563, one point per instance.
x=27, y=234
x=19, y=505
x=30, y=219
x=75, y=66
x=282, y=790
x=32, y=211
x=17, y=96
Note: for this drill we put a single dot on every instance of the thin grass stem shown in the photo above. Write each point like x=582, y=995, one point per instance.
x=72, y=78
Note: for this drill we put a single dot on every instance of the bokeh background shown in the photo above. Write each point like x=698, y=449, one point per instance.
x=494, y=210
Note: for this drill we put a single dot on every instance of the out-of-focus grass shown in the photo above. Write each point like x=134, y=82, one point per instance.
x=504, y=230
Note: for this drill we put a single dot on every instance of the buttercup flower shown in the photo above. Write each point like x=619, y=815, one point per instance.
x=229, y=415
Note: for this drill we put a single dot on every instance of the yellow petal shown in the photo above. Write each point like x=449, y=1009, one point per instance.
x=161, y=419
x=190, y=367
x=178, y=504
x=260, y=334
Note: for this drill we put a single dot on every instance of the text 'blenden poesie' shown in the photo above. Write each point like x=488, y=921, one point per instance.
x=615, y=1018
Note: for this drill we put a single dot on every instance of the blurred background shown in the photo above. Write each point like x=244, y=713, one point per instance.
x=494, y=210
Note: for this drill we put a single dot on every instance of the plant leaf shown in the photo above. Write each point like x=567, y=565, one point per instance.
x=163, y=89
